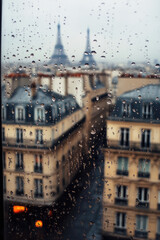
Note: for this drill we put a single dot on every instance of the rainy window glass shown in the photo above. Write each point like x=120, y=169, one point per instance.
x=80, y=119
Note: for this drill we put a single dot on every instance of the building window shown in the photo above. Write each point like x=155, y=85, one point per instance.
x=19, y=186
x=145, y=139
x=124, y=138
x=143, y=198
x=120, y=227
x=4, y=184
x=3, y=134
x=141, y=226
x=38, y=163
x=121, y=195
x=39, y=136
x=19, y=135
x=39, y=114
x=144, y=168
x=125, y=109
x=3, y=113
x=147, y=110
x=158, y=228
x=57, y=164
x=19, y=161
x=54, y=112
x=4, y=159
x=122, y=166
x=63, y=159
x=20, y=113
x=38, y=188
x=158, y=200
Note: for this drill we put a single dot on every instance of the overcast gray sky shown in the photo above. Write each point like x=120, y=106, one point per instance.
x=121, y=30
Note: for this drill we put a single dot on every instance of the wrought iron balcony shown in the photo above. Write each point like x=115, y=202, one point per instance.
x=19, y=168
x=158, y=236
x=144, y=174
x=38, y=169
x=19, y=192
x=141, y=234
x=142, y=205
x=121, y=201
x=122, y=172
x=120, y=230
x=38, y=195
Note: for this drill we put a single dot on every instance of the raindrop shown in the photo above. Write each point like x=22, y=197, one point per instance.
x=93, y=52
x=157, y=98
x=109, y=101
x=139, y=97
x=157, y=65
x=33, y=62
x=133, y=63
x=97, y=98
x=93, y=132
x=53, y=99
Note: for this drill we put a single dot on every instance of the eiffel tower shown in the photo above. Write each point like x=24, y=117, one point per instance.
x=59, y=57
x=88, y=57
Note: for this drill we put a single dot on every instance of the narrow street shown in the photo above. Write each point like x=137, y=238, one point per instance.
x=79, y=216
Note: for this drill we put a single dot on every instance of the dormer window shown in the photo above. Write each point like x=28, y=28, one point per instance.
x=61, y=108
x=125, y=109
x=39, y=114
x=147, y=110
x=20, y=113
x=54, y=112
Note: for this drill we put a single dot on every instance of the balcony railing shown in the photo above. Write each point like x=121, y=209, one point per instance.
x=142, y=204
x=144, y=174
x=19, y=192
x=120, y=230
x=38, y=195
x=158, y=236
x=19, y=168
x=141, y=234
x=38, y=169
x=121, y=201
x=122, y=172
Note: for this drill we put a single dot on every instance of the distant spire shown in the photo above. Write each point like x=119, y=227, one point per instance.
x=59, y=34
x=88, y=48
x=88, y=57
x=59, y=57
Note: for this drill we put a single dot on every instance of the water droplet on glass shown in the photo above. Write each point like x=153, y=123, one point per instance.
x=53, y=99
x=133, y=63
x=157, y=65
x=93, y=131
x=139, y=97
x=109, y=101
x=93, y=52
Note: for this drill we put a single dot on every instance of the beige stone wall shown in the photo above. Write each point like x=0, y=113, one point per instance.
x=127, y=84
x=113, y=131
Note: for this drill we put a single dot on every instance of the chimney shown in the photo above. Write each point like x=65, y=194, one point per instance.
x=33, y=90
